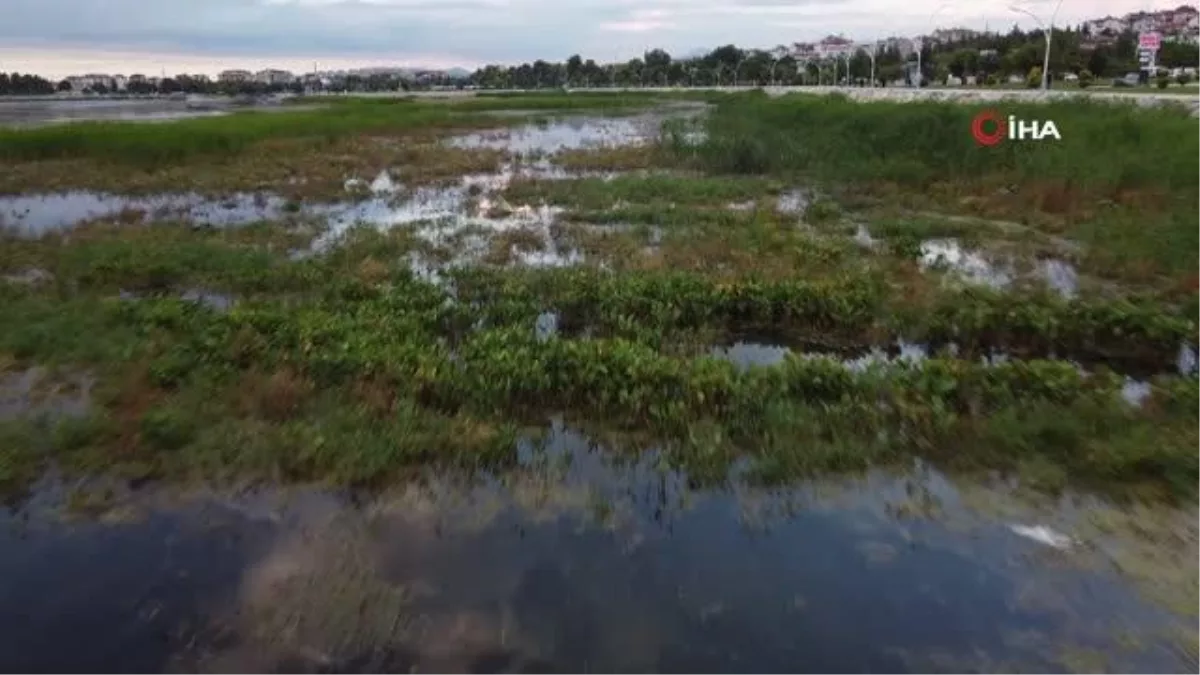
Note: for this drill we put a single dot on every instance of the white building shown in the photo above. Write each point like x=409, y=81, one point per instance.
x=90, y=81
x=1144, y=23
x=235, y=76
x=272, y=76
x=803, y=51
x=835, y=47
x=1108, y=23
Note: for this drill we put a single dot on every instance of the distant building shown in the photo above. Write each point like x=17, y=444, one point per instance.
x=272, y=76
x=944, y=35
x=905, y=46
x=804, y=51
x=81, y=82
x=235, y=76
x=835, y=46
x=1106, y=25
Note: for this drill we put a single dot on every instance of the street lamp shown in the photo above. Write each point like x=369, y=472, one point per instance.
x=921, y=42
x=874, y=48
x=1048, y=32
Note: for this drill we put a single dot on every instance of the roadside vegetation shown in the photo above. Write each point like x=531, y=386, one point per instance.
x=219, y=356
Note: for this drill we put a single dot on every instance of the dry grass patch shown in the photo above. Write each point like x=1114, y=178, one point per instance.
x=505, y=245
x=611, y=159
x=372, y=271
x=308, y=168
x=276, y=397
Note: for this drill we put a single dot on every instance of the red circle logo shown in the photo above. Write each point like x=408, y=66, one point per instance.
x=996, y=135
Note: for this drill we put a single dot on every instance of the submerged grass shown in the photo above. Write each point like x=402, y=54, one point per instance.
x=347, y=369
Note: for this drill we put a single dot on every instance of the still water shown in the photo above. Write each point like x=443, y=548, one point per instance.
x=579, y=561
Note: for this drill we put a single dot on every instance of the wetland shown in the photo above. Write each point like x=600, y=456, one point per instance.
x=654, y=382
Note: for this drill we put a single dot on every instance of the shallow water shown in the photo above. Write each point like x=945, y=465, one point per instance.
x=745, y=354
x=571, y=133
x=975, y=267
x=576, y=562
x=793, y=201
x=970, y=265
x=34, y=112
x=39, y=214
x=37, y=393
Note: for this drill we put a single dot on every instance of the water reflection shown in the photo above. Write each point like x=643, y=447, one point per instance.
x=38, y=214
x=565, y=134
x=970, y=265
x=746, y=355
x=977, y=268
x=36, y=392
x=578, y=561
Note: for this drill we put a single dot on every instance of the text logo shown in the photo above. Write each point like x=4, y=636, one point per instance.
x=990, y=127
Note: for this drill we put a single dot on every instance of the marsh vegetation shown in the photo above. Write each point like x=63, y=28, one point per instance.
x=423, y=286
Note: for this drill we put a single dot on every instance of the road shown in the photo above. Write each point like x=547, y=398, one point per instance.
x=1143, y=96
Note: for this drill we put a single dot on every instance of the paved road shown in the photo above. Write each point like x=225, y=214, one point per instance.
x=1142, y=97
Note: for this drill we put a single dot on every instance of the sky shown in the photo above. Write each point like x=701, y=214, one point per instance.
x=55, y=38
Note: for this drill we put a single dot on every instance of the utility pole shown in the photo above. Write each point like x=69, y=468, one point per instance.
x=1048, y=31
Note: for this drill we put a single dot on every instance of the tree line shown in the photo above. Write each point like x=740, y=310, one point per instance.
x=16, y=84
x=988, y=57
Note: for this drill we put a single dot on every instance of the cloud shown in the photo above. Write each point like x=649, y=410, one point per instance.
x=465, y=32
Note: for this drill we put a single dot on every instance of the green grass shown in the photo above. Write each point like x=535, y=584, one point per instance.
x=349, y=371
x=833, y=138
x=1122, y=179
x=188, y=139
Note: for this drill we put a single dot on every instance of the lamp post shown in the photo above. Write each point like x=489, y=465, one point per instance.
x=1048, y=31
x=871, y=54
x=921, y=43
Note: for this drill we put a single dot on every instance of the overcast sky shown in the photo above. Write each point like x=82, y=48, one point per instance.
x=60, y=37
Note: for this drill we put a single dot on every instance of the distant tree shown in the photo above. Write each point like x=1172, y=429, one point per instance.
x=1085, y=78
x=964, y=62
x=574, y=68
x=1098, y=61
x=657, y=62
x=64, y=86
x=1034, y=79
x=1183, y=78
